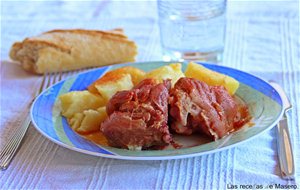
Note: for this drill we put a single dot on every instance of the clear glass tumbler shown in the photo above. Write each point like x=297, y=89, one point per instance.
x=192, y=30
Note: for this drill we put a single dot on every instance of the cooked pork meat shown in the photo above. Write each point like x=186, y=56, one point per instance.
x=138, y=117
x=197, y=107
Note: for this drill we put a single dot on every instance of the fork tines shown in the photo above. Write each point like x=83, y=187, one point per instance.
x=12, y=145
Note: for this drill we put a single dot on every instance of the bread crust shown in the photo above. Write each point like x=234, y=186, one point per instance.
x=64, y=50
x=113, y=34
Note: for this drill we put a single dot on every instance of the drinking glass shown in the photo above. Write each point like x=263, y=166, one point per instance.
x=192, y=30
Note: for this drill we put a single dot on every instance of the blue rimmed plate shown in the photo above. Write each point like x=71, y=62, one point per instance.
x=264, y=103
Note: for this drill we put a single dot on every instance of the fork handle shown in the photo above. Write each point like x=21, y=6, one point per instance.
x=285, y=151
x=10, y=148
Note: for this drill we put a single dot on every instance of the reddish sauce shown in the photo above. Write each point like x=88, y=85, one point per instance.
x=243, y=116
x=96, y=137
x=176, y=145
x=173, y=144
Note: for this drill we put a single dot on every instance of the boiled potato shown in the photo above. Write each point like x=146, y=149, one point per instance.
x=75, y=121
x=92, y=120
x=136, y=76
x=78, y=101
x=108, y=88
x=172, y=71
x=210, y=77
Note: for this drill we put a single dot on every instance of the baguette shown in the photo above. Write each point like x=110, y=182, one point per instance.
x=64, y=50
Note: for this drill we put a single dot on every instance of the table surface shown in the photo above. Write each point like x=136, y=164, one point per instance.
x=262, y=38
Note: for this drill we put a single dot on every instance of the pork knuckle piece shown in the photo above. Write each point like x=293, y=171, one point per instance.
x=197, y=107
x=138, y=117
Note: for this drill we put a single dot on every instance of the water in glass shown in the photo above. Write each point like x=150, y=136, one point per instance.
x=192, y=30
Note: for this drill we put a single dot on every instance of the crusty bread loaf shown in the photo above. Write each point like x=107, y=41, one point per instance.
x=63, y=50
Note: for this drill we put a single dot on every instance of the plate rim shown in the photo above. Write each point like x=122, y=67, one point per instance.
x=163, y=157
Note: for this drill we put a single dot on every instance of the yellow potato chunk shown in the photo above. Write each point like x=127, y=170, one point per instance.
x=212, y=78
x=136, y=74
x=75, y=121
x=78, y=101
x=115, y=75
x=88, y=121
x=172, y=71
x=92, y=120
x=109, y=88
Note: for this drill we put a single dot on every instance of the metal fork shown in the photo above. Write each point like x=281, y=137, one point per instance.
x=10, y=148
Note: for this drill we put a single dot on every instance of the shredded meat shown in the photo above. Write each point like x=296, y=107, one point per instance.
x=197, y=107
x=138, y=117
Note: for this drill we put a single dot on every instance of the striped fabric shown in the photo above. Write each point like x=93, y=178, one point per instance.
x=262, y=39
